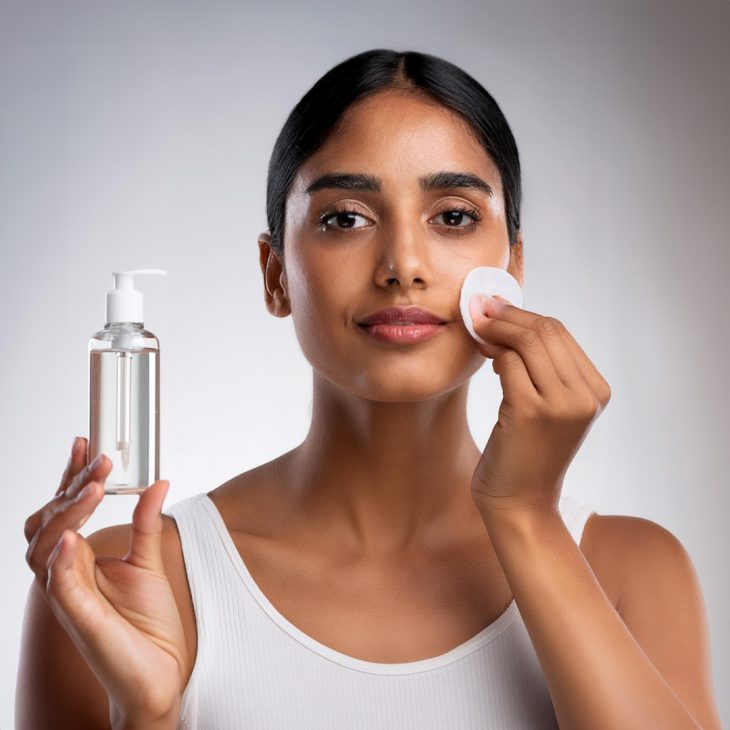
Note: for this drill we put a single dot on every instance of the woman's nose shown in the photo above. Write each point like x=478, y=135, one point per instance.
x=403, y=257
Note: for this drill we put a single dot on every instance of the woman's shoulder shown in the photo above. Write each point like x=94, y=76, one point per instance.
x=626, y=553
x=113, y=540
x=627, y=536
x=661, y=602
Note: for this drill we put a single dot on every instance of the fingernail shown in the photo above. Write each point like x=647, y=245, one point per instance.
x=96, y=462
x=88, y=489
x=75, y=446
x=477, y=305
x=494, y=304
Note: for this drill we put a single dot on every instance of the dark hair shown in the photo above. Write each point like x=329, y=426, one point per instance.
x=319, y=110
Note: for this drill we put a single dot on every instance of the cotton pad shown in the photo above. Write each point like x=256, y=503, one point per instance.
x=488, y=280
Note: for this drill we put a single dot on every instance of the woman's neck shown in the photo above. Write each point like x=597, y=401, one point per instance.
x=385, y=476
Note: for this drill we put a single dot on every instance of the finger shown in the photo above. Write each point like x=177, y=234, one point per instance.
x=590, y=373
x=529, y=346
x=576, y=370
x=98, y=470
x=550, y=331
x=517, y=386
x=76, y=462
x=70, y=587
x=69, y=516
x=145, y=543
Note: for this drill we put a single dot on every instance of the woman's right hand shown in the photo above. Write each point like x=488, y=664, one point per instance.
x=120, y=613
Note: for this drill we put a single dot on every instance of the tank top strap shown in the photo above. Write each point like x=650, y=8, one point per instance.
x=219, y=599
x=203, y=552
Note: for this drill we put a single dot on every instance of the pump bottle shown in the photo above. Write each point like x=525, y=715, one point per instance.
x=124, y=390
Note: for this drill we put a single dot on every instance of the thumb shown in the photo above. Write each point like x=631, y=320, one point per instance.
x=145, y=544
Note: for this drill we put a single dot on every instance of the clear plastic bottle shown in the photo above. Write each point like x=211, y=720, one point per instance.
x=124, y=390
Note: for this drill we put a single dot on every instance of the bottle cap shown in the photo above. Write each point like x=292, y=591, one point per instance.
x=124, y=302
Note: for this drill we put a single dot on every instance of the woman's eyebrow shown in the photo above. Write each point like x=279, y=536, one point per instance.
x=434, y=181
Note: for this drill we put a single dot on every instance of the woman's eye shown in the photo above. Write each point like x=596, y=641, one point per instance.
x=341, y=220
x=344, y=218
x=452, y=218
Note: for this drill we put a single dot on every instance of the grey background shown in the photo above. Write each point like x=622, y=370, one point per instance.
x=136, y=134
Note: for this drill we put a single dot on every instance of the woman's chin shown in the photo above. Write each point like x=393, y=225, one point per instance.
x=398, y=377
x=407, y=387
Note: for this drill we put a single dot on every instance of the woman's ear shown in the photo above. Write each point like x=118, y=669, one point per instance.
x=515, y=259
x=272, y=269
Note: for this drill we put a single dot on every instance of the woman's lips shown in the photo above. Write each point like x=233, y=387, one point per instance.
x=402, y=334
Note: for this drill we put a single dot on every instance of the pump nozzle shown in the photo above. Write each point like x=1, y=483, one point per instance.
x=124, y=302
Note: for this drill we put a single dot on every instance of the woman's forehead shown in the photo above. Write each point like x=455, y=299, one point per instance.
x=400, y=141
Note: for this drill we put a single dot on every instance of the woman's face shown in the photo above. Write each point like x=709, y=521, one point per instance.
x=349, y=251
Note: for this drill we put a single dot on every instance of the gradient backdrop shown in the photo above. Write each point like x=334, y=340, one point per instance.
x=137, y=134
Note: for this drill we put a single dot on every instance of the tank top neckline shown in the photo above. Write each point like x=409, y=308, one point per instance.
x=487, y=634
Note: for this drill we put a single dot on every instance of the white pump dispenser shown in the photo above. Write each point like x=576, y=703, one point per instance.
x=124, y=390
x=124, y=302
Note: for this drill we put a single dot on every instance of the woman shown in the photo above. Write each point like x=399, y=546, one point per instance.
x=386, y=572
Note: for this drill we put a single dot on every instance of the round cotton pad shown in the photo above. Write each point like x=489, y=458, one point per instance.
x=487, y=280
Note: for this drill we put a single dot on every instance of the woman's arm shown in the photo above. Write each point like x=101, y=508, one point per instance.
x=598, y=674
x=649, y=670
x=55, y=688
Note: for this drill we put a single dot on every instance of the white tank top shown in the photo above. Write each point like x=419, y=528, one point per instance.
x=255, y=670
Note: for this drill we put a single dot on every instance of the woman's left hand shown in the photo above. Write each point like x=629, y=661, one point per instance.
x=552, y=395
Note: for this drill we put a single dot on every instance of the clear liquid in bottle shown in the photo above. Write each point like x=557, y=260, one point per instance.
x=124, y=409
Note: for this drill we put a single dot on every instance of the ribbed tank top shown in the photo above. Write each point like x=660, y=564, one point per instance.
x=255, y=670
